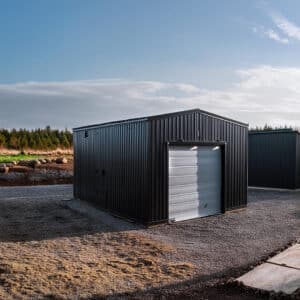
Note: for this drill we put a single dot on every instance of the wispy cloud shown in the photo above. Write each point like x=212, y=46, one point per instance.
x=263, y=94
x=289, y=31
x=286, y=26
x=271, y=34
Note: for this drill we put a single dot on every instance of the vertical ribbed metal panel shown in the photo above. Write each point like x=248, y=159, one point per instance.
x=273, y=159
x=298, y=161
x=198, y=126
x=111, y=167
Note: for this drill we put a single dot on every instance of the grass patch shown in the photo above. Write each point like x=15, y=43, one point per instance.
x=17, y=157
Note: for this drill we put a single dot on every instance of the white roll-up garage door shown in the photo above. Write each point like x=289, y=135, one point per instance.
x=195, y=180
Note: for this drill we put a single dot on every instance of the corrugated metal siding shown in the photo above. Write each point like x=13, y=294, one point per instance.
x=111, y=167
x=272, y=159
x=197, y=126
x=298, y=162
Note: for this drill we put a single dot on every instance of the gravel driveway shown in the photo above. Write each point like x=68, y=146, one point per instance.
x=237, y=238
x=40, y=192
x=218, y=246
x=226, y=245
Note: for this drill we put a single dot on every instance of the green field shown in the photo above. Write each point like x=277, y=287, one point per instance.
x=17, y=157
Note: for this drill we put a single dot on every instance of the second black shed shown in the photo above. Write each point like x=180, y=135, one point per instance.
x=174, y=166
x=274, y=158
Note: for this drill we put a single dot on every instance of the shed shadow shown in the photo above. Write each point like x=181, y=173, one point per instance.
x=25, y=220
x=198, y=287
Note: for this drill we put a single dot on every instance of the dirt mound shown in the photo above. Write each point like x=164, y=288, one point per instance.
x=50, y=173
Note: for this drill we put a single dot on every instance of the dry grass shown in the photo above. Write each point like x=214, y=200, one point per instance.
x=58, y=151
x=96, y=264
x=48, y=250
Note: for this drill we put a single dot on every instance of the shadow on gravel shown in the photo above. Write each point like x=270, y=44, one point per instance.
x=196, y=288
x=258, y=195
x=35, y=221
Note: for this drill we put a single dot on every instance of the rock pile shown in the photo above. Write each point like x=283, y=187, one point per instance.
x=29, y=163
x=4, y=167
x=61, y=160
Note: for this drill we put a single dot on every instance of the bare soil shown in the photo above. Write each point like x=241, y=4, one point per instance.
x=45, y=174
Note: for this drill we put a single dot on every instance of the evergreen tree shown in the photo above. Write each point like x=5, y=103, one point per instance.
x=2, y=140
x=39, y=139
x=23, y=144
x=13, y=140
x=65, y=142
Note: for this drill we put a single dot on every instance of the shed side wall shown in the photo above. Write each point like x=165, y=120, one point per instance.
x=111, y=168
x=298, y=162
x=198, y=127
x=272, y=159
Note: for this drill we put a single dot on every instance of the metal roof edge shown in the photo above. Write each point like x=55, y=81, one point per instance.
x=154, y=117
x=110, y=123
x=252, y=132
x=200, y=111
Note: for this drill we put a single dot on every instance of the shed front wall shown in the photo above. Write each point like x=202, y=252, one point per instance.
x=272, y=160
x=197, y=127
x=111, y=168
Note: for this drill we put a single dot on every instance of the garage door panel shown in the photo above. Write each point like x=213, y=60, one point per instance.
x=185, y=207
x=184, y=189
x=194, y=181
x=179, y=152
x=183, y=161
x=187, y=197
x=182, y=180
x=186, y=171
x=183, y=154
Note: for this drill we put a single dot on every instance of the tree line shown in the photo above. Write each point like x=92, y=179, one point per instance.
x=37, y=139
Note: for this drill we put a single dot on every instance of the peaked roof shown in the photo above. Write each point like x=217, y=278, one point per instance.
x=161, y=116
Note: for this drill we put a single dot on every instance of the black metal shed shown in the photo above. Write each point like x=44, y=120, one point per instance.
x=172, y=166
x=274, y=158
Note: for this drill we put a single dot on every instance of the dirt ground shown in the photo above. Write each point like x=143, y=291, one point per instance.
x=50, y=173
x=50, y=249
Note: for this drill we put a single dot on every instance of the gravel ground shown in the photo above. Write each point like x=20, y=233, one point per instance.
x=237, y=238
x=41, y=192
x=225, y=246
x=219, y=247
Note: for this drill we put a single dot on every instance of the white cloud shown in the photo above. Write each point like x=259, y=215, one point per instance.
x=289, y=30
x=286, y=26
x=263, y=94
x=271, y=34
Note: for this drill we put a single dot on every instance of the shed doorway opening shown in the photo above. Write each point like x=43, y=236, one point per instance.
x=195, y=181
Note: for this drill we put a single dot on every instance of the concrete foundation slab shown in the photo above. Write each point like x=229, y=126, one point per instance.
x=290, y=257
x=280, y=273
x=271, y=277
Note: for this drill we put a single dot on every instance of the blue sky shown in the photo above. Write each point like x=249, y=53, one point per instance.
x=102, y=60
